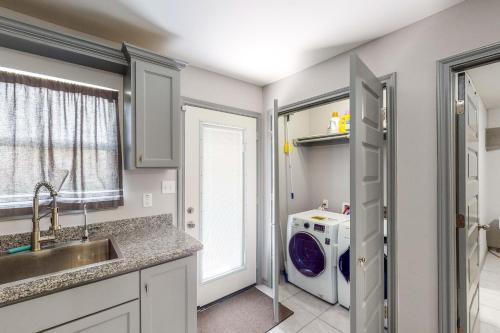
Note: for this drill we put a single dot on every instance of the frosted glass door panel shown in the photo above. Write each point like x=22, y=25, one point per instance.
x=222, y=200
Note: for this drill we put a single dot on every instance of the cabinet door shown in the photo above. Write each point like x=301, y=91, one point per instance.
x=157, y=94
x=168, y=297
x=120, y=319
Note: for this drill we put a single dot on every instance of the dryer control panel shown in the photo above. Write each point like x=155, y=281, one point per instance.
x=319, y=227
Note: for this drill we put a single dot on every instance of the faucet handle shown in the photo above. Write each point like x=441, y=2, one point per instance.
x=85, y=236
x=54, y=219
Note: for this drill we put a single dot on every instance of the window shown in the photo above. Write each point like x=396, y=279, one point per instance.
x=48, y=126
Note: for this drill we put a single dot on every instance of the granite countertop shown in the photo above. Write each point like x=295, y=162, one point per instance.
x=143, y=242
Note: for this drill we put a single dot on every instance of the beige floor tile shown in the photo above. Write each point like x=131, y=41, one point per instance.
x=492, y=263
x=487, y=328
x=337, y=317
x=489, y=315
x=300, y=318
x=490, y=280
x=318, y=326
x=490, y=298
x=287, y=290
x=311, y=303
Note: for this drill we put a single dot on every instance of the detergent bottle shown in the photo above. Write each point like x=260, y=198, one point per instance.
x=345, y=123
x=333, y=128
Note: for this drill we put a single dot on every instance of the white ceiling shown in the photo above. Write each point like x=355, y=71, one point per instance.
x=486, y=80
x=258, y=41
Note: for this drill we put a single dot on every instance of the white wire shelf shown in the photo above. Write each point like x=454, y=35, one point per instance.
x=325, y=139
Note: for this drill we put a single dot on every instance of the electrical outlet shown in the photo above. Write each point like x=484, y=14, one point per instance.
x=168, y=187
x=325, y=203
x=147, y=200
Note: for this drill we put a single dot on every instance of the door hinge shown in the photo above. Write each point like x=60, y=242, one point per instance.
x=460, y=223
x=460, y=107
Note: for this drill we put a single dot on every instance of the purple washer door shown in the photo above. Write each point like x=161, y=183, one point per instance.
x=306, y=254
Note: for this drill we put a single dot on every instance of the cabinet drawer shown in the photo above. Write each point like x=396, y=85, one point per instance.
x=121, y=319
x=59, y=308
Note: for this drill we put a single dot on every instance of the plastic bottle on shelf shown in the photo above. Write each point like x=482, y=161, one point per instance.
x=333, y=128
x=345, y=123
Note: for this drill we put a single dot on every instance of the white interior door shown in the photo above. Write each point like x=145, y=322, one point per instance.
x=367, y=200
x=468, y=206
x=220, y=199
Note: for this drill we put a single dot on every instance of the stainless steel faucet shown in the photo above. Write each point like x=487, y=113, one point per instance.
x=36, y=239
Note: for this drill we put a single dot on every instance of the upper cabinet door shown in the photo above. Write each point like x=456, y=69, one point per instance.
x=157, y=115
x=151, y=109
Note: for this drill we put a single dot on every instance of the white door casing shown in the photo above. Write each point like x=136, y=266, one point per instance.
x=367, y=200
x=468, y=206
x=220, y=199
x=275, y=223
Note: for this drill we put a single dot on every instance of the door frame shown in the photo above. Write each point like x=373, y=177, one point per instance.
x=186, y=101
x=446, y=172
x=388, y=82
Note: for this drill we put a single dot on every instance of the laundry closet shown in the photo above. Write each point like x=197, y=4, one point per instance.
x=314, y=170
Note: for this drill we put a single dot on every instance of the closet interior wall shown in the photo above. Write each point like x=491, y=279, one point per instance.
x=313, y=173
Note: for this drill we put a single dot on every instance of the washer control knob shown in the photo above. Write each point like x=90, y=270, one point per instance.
x=306, y=225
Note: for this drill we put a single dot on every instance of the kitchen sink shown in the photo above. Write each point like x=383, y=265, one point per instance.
x=55, y=258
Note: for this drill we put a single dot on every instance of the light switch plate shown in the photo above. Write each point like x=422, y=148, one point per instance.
x=168, y=187
x=147, y=200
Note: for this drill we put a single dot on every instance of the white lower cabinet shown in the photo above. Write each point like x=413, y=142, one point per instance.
x=121, y=319
x=159, y=299
x=168, y=297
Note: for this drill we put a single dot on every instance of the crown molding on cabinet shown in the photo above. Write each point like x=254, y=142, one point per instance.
x=29, y=38
x=44, y=42
x=134, y=52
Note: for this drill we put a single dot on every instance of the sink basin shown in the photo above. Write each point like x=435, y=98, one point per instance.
x=60, y=257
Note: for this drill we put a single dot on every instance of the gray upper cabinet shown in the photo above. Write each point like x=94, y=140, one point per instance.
x=151, y=110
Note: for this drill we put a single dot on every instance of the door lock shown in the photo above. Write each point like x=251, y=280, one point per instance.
x=483, y=226
x=191, y=225
x=190, y=210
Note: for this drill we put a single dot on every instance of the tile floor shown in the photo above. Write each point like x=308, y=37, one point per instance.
x=311, y=315
x=489, y=295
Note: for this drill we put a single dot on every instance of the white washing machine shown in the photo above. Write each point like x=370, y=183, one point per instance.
x=312, y=252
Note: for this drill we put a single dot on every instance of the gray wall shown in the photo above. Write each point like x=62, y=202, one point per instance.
x=412, y=52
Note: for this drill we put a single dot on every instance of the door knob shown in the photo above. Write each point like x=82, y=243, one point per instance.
x=361, y=261
x=191, y=225
x=190, y=210
x=483, y=226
